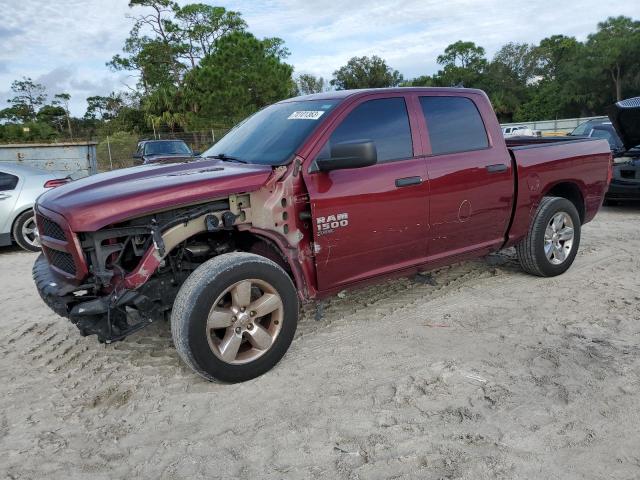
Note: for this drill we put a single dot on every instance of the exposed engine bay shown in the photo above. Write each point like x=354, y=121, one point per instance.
x=136, y=268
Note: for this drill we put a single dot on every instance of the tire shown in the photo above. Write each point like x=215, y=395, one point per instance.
x=47, y=286
x=21, y=226
x=220, y=282
x=540, y=256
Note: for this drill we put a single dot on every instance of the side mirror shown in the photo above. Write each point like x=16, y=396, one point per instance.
x=137, y=155
x=351, y=154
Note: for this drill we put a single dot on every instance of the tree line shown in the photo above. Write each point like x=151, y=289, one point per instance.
x=198, y=67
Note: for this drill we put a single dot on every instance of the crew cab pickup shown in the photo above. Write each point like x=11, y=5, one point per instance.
x=305, y=198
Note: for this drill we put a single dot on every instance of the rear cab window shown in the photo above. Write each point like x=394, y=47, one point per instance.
x=8, y=182
x=454, y=125
x=384, y=121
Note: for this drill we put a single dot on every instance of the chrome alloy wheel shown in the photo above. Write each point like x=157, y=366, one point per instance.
x=558, y=238
x=30, y=232
x=244, y=321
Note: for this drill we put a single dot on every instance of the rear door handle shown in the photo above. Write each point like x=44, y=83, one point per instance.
x=497, y=168
x=4, y=195
x=408, y=181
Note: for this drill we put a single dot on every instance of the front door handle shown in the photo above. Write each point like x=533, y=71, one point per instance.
x=408, y=181
x=497, y=168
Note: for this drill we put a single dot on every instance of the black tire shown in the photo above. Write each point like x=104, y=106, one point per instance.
x=531, y=250
x=196, y=297
x=47, y=286
x=18, y=236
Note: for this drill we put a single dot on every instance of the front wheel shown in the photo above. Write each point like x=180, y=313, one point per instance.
x=552, y=242
x=234, y=317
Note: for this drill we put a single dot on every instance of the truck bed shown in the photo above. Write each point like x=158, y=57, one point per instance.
x=584, y=162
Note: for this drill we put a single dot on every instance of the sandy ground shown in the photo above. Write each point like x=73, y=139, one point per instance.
x=488, y=373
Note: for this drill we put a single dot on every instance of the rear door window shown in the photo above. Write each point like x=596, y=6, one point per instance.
x=383, y=121
x=454, y=124
x=8, y=182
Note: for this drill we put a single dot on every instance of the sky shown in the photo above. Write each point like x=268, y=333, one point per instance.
x=64, y=44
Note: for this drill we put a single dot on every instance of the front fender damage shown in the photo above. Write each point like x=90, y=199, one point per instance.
x=270, y=212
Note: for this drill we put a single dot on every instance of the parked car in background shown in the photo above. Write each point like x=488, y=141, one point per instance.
x=20, y=186
x=624, y=130
x=625, y=181
x=584, y=128
x=519, y=131
x=162, y=151
x=607, y=132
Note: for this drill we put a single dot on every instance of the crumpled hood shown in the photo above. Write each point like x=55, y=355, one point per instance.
x=93, y=202
x=625, y=116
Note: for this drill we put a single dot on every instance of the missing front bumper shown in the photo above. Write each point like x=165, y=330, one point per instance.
x=110, y=318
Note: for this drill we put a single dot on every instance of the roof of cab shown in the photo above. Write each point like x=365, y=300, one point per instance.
x=342, y=94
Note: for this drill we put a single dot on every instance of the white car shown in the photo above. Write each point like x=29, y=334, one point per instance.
x=519, y=131
x=20, y=185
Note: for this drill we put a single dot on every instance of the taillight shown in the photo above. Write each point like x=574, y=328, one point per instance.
x=610, y=172
x=55, y=183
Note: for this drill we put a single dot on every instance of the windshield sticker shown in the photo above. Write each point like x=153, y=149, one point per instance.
x=305, y=115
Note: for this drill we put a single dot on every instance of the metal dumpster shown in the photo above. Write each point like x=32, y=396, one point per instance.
x=76, y=159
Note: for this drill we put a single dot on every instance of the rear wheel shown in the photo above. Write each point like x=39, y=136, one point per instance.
x=553, y=239
x=234, y=317
x=25, y=232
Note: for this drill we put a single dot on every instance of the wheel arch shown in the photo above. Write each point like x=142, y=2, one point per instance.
x=273, y=246
x=264, y=246
x=570, y=191
x=288, y=255
x=269, y=245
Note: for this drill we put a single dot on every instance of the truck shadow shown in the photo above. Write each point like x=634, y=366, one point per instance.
x=12, y=249
x=373, y=301
x=626, y=207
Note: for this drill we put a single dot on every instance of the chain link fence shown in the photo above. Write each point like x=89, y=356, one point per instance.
x=116, y=150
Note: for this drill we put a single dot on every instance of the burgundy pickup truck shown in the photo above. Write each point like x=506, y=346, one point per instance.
x=308, y=197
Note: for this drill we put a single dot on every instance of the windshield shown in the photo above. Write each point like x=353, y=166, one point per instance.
x=585, y=128
x=166, y=148
x=603, y=134
x=614, y=143
x=272, y=135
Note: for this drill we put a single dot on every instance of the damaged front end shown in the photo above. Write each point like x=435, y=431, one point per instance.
x=133, y=270
x=119, y=279
x=111, y=317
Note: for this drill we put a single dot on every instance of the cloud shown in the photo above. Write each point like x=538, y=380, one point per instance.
x=57, y=79
x=8, y=32
x=323, y=35
x=65, y=44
